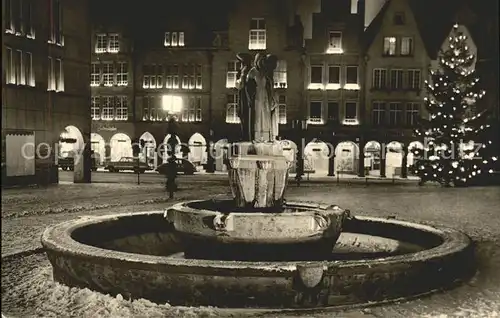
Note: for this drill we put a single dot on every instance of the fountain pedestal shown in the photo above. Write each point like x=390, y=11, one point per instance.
x=257, y=224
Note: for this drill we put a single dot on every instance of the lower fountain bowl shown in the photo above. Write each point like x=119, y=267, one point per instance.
x=219, y=229
x=139, y=255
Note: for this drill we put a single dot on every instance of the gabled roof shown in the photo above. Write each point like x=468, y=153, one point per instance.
x=434, y=19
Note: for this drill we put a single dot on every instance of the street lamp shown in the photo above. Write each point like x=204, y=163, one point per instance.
x=172, y=105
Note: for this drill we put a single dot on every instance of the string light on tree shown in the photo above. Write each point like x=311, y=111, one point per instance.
x=451, y=94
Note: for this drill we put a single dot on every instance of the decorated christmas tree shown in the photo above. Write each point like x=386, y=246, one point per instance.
x=455, y=136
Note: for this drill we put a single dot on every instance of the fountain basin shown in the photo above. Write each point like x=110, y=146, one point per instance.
x=139, y=255
x=221, y=230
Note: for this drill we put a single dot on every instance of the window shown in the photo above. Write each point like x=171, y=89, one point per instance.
x=95, y=74
x=333, y=76
x=113, y=43
x=199, y=77
x=333, y=111
x=334, y=42
x=122, y=74
x=257, y=34
x=414, y=79
x=174, y=39
x=10, y=74
x=107, y=108
x=27, y=16
x=399, y=18
x=232, y=109
x=189, y=78
x=280, y=75
x=396, y=79
x=20, y=79
x=378, y=111
x=390, y=46
x=315, y=112
x=18, y=18
x=172, y=76
x=8, y=16
x=107, y=73
x=395, y=111
x=282, y=109
x=412, y=113
x=56, y=16
x=351, y=81
x=152, y=76
x=316, y=74
x=51, y=84
x=28, y=69
x=59, y=78
x=379, y=78
x=192, y=113
x=406, y=46
x=100, y=43
x=351, y=110
x=121, y=108
x=232, y=72
x=95, y=108
x=152, y=109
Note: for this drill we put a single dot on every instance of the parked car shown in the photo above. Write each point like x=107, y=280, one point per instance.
x=127, y=163
x=183, y=165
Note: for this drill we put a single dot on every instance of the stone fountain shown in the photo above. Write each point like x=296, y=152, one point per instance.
x=257, y=224
x=256, y=250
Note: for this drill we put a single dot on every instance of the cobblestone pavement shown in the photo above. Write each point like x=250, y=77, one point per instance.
x=27, y=212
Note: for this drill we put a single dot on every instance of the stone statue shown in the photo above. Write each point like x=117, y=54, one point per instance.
x=258, y=108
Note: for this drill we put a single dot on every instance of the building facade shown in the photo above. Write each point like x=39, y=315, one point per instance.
x=45, y=89
x=359, y=87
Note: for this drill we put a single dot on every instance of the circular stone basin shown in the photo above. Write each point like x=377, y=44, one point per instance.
x=139, y=255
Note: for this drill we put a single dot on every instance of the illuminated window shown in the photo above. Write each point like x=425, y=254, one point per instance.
x=113, y=43
x=152, y=76
x=95, y=108
x=280, y=75
x=414, y=79
x=378, y=111
x=412, y=113
x=121, y=108
x=315, y=112
x=51, y=84
x=122, y=74
x=19, y=67
x=152, y=109
x=334, y=42
x=257, y=34
x=232, y=109
x=107, y=108
x=28, y=69
x=100, y=43
x=107, y=73
x=282, y=109
x=396, y=79
x=395, y=113
x=199, y=77
x=59, y=75
x=10, y=74
x=189, y=77
x=406, y=46
x=232, y=72
x=192, y=113
x=379, y=78
x=390, y=46
x=351, y=77
x=174, y=39
x=56, y=16
x=95, y=74
x=172, y=104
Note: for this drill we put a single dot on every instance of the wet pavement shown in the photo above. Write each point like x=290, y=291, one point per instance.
x=27, y=212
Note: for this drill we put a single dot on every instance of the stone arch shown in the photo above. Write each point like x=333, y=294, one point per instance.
x=98, y=145
x=72, y=145
x=178, y=153
x=393, y=159
x=316, y=154
x=121, y=146
x=197, y=149
x=290, y=152
x=410, y=156
x=347, y=156
x=372, y=157
x=148, y=153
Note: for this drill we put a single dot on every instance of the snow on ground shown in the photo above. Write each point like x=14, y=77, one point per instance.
x=28, y=291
